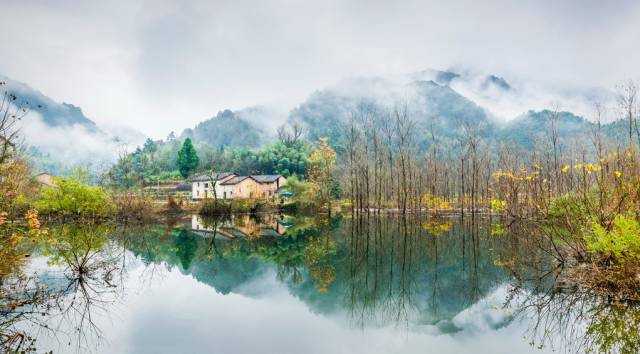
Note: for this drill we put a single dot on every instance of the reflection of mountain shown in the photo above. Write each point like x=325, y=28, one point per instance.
x=227, y=274
x=377, y=272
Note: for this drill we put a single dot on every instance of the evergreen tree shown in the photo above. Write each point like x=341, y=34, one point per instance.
x=187, y=158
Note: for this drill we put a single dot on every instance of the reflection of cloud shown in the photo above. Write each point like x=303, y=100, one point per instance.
x=485, y=315
x=186, y=316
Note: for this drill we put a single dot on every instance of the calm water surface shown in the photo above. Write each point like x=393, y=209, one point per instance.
x=277, y=284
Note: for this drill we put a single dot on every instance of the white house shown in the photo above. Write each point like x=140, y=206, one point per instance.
x=202, y=186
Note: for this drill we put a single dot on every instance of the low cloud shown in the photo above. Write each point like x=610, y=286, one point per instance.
x=76, y=145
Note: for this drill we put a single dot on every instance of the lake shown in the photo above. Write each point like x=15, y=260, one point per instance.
x=283, y=284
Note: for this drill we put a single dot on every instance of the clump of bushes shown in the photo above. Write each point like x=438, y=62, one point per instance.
x=570, y=207
x=132, y=206
x=435, y=203
x=620, y=243
x=498, y=206
x=72, y=198
x=222, y=207
x=215, y=207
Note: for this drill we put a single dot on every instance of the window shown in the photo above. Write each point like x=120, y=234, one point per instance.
x=197, y=193
x=206, y=185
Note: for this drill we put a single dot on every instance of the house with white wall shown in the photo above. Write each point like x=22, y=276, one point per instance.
x=203, y=186
x=228, y=185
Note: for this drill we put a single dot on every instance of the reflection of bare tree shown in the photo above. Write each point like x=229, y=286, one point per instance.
x=577, y=321
x=412, y=269
x=566, y=318
x=23, y=301
x=95, y=273
x=381, y=263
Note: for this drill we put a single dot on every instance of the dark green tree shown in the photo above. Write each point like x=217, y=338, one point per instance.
x=187, y=158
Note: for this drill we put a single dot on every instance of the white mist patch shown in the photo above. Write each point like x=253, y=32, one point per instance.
x=508, y=102
x=267, y=118
x=73, y=145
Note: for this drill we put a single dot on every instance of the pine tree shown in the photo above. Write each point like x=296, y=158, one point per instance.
x=187, y=158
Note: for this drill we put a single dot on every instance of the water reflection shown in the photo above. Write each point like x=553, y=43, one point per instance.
x=442, y=276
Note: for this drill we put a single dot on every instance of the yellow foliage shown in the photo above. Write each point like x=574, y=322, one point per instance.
x=437, y=228
x=498, y=206
x=435, y=203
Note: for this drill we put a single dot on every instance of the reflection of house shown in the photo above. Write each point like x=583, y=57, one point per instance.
x=202, y=186
x=45, y=179
x=231, y=186
x=239, y=226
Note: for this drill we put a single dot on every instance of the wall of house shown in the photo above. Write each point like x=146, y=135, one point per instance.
x=268, y=190
x=198, y=190
x=202, y=190
x=224, y=191
x=246, y=189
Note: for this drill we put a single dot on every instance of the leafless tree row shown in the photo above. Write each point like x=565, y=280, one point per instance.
x=387, y=170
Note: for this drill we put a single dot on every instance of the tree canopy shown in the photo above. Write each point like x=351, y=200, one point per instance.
x=187, y=158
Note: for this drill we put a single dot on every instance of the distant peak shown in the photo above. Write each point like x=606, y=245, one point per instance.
x=441, y=77
x=496, y=81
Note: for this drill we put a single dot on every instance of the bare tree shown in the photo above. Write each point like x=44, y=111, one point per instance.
x=12, y=110
x=290, y=134
x=628, y=102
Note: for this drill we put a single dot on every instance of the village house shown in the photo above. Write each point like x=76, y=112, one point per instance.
x=231, y=186
x=268, y=185
x=202, y=186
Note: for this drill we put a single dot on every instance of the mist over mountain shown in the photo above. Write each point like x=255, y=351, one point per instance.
x=59, y=137
x=228, y=129
x=433, y=107
x=51, y=113
x=532, y=127
x=440, y=103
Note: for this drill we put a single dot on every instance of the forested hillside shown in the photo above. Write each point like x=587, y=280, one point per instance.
x=226, y=129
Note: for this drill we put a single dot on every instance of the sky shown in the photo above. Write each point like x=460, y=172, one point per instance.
x=162, y=65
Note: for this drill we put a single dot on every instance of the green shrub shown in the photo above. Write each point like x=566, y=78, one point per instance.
x=171, y=175
x=242, y=206
x=570, y=206
x=215, y=207
x=621, y=243
x=71, y=197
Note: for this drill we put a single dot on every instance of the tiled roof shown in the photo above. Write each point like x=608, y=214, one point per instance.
x=206, y=178
x=183, y=187
x=266, y=178
x=234, y=180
